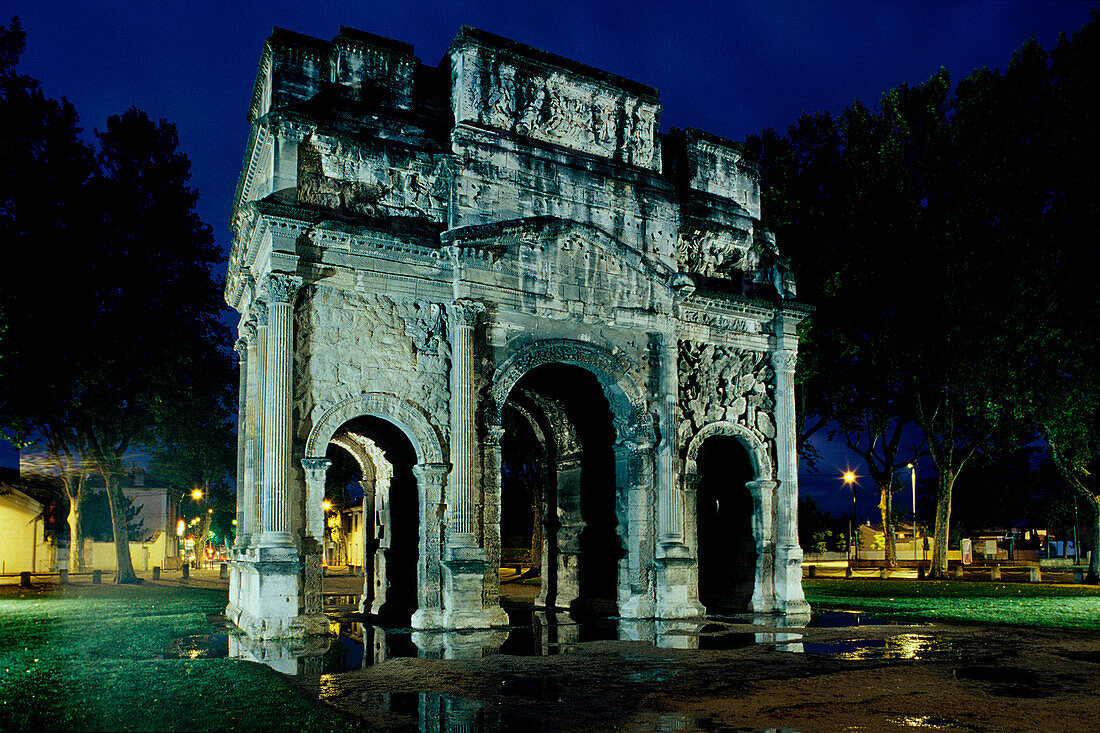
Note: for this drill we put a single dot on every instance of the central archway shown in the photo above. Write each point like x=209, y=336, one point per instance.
x=585, y=416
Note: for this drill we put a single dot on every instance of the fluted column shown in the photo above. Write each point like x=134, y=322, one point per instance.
x=254, y=418
x=279, y=292
x=786, y=448
x=670, y=519
x=789, y=596
x=241, y=347
x=460, y=494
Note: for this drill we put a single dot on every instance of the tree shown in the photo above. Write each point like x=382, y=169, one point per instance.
x=44, y=168
x=116, y=233
x=153, y=350
x=1063, y=395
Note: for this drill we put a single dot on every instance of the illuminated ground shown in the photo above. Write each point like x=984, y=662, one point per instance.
x=101, y=657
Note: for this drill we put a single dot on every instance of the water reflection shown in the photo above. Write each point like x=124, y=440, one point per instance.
x=322, y=664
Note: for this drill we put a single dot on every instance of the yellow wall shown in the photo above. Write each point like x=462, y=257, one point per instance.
x=143, y=555
x=22, y=543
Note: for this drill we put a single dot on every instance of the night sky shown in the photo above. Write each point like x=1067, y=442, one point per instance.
x=732, y=68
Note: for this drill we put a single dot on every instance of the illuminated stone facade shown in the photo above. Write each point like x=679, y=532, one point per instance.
x=411, y=244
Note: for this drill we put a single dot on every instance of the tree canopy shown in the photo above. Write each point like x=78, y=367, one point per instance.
x=113, y=336
x=943, y=236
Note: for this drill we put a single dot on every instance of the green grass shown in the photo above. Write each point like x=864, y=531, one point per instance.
x=997, y=603
x=84, y=660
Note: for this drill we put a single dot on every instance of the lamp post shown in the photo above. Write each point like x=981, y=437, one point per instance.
x=850, y=479
x=181, y=526
x=913, y=469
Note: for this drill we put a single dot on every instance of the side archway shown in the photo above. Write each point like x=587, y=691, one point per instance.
x=758, y=452
x=723, y=499
x=425, y=467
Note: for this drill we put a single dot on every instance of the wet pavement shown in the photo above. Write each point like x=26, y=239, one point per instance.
x=552, y=671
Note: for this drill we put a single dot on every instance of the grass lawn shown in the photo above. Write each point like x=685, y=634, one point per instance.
x=86, y=659
x=952, y=600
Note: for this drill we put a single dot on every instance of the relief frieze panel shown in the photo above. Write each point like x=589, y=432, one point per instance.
x=723, y=383
x=557, y=108
x=350, y=343
x=338, y=175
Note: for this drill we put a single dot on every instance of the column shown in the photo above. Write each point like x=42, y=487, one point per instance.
x=670, y=520
x=241, y=347
x=460, y=495
x=788, y=555
x=279, y=292
x=430, y=478
x=316, y=469
x=254, y=418
x=314, y=543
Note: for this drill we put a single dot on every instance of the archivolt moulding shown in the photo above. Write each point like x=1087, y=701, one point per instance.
x=626, y=399
x=758, y=452
x=412, y=421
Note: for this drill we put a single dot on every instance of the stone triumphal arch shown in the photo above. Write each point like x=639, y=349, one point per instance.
x=492, y=283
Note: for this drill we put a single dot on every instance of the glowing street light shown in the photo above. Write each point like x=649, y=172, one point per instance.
x=326, y=504
x=913, y=468
x=850, y=479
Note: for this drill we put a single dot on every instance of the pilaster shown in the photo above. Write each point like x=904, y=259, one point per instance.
x=460, y=504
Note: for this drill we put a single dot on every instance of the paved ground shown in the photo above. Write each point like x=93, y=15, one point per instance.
x=737, y=674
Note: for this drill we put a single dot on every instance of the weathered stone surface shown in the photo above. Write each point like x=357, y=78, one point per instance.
x=456, y=230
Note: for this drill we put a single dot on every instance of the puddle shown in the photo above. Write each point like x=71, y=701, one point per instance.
x=200, y=646
x=847, y=619
x=899, y=646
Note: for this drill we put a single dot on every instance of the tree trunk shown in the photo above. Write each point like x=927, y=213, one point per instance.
x=1094, y=561
x=76, y=536
x=886, y=508
x=125, y=572
x=942, y=528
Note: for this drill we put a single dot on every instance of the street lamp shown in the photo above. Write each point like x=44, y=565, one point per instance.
x=913, y=469
x=850, y=479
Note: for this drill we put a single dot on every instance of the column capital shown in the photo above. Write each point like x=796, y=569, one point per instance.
x=431, y=472
x=247, y=331
x=785, y=360
x=257, y=313
x=316, y=468
x=493, y=434
x=467, y=310
x=280, y=287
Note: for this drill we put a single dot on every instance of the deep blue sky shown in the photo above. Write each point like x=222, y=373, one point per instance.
x=732, y=68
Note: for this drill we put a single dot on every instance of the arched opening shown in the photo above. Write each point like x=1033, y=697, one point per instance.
x=724, y=511
x=388, y=528
x=558, y=459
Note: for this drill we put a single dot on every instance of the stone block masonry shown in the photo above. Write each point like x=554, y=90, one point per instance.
x=514, y=307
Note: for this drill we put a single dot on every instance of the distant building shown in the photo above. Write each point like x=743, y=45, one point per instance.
x=28, y=536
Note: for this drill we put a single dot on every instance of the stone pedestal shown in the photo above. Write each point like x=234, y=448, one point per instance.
x=677, y=583
x=463, y=576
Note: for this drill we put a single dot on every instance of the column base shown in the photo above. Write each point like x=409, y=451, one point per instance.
x=268, y=604
x=275, y=539
x=789, y=596
x=677, y=583
x=463, y=585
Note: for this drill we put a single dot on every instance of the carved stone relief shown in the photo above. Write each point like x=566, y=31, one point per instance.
x=713, y=252
x=554, y=108
x=337, y=175
x=724, y=383
x=350, y=343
